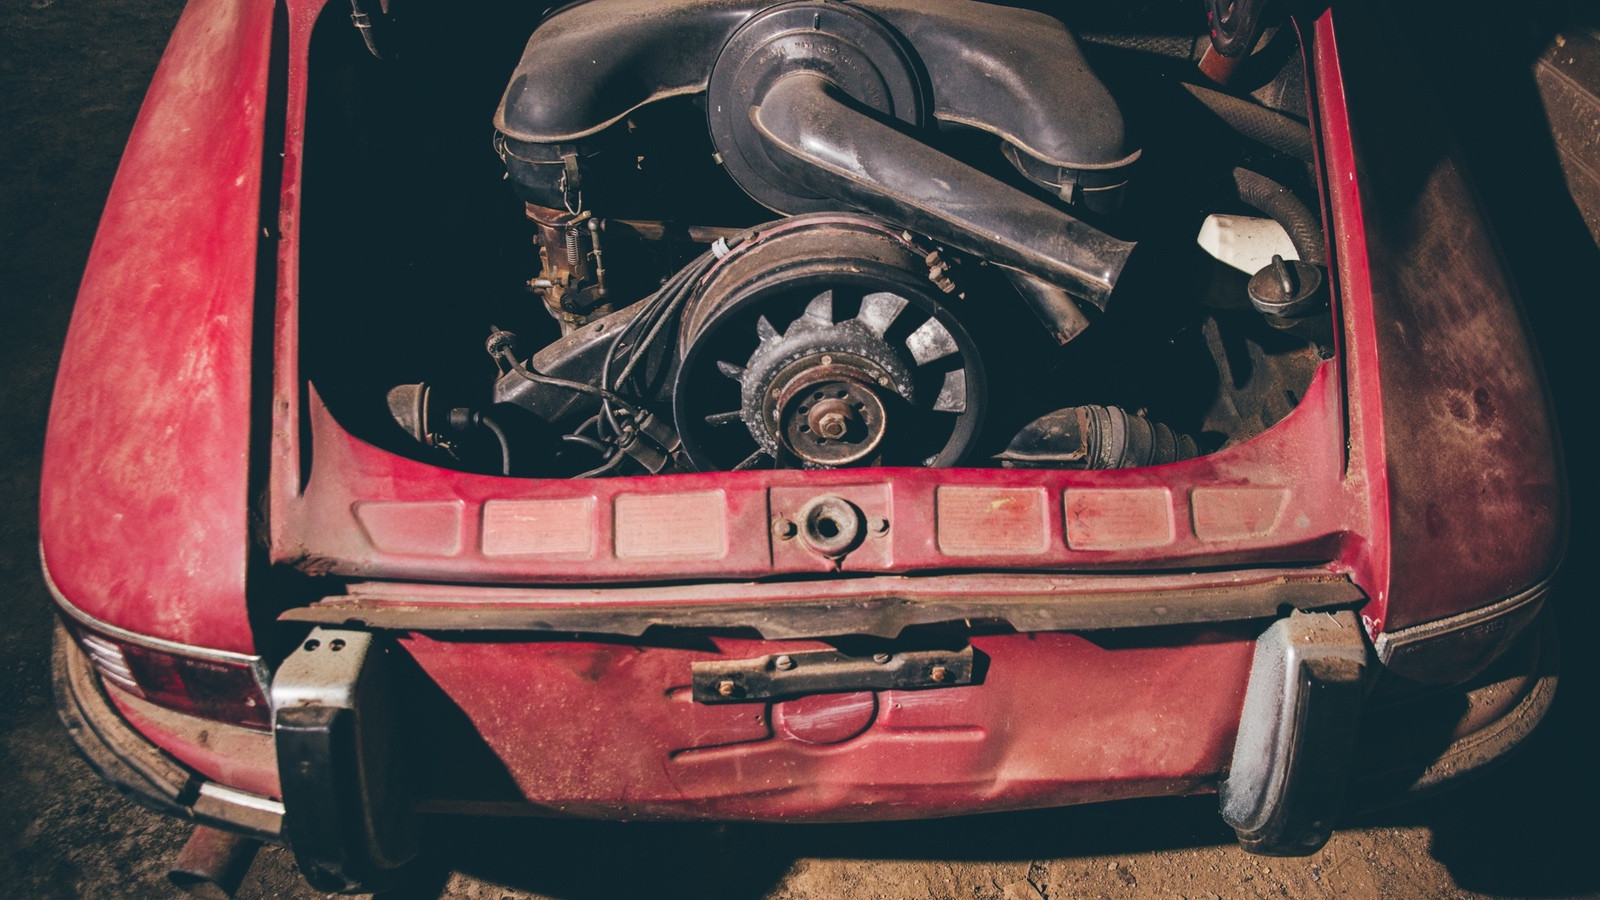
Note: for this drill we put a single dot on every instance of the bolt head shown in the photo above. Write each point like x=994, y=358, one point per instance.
x=784, y=663
x=881, y=658
x=832, y=425
x=939, y=674
x=726, y=688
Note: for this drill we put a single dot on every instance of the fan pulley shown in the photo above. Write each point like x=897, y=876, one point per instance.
x=820, y=343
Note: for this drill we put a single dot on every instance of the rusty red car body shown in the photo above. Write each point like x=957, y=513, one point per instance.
x=1415, y=490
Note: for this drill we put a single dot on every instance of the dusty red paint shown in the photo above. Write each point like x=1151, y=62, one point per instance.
x=1368, y=549
x=1476, y=498
x=227, y=754
x=144, y=500
x=720, y=525
x=1058, y=719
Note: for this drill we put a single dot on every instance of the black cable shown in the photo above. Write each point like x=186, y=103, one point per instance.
x=579, y=386
x=660, y=309
x=647, y=318
x=675, y=302
x=500, y=435
x=643, y=330
x=589, y=442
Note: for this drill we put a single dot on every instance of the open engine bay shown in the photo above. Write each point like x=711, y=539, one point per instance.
x=708, y=235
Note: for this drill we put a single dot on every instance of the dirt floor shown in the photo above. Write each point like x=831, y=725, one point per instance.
x=71, y=76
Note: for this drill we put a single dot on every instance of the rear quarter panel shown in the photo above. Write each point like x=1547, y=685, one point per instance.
x=144, y=496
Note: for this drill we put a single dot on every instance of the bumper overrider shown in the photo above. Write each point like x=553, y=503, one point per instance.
x=1316, y=697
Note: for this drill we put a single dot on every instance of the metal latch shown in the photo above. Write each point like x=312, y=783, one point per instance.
x=828, y=672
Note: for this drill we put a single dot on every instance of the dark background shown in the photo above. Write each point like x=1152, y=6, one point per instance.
x=1518, y=81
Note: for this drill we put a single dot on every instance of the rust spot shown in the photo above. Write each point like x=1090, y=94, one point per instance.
x=314, y=565
x=1485, y=406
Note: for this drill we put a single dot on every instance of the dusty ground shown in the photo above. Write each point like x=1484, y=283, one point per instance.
x=71, y=75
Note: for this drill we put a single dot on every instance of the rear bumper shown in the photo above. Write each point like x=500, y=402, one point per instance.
x=1066, y=720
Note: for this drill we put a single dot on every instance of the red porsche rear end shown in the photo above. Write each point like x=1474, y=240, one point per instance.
x=286, y=626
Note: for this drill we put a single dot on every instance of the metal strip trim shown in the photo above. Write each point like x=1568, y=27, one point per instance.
x=1390, y=642
x=257, y=666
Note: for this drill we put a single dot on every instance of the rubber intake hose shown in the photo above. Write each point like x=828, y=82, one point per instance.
x=1095, y=437
x=1272, y=198
x=820, y=137
x=1280, y=131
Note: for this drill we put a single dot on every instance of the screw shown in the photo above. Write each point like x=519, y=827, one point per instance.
x=939, y=674
x=726, y=688
x=785, y=529
x=879, y=526
x=880, y=658
x=784, y=663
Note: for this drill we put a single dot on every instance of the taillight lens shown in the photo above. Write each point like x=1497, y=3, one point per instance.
x=220, y=690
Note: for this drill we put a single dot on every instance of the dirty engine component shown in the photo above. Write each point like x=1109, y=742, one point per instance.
x=971, y=262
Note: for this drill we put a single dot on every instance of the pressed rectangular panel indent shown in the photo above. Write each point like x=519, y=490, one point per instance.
x=421, y=528
x=1235, y=513
x=684, y=526
x=1118, y=518
x=538, y=527
x=977, y=521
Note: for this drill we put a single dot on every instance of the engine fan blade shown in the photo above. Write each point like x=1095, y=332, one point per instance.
x=880, y=309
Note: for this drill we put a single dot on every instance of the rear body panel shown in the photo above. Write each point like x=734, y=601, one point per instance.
x=547, y=628
x=1058, y=719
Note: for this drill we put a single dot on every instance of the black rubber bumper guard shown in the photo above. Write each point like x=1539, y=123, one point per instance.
x=347, y=813
x=1297, y=733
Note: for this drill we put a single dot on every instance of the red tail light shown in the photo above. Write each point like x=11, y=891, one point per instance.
x=223, y=690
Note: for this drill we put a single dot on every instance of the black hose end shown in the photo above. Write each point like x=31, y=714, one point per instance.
x=500, y=342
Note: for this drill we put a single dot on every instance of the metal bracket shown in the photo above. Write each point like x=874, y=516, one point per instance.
x=828, y=672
